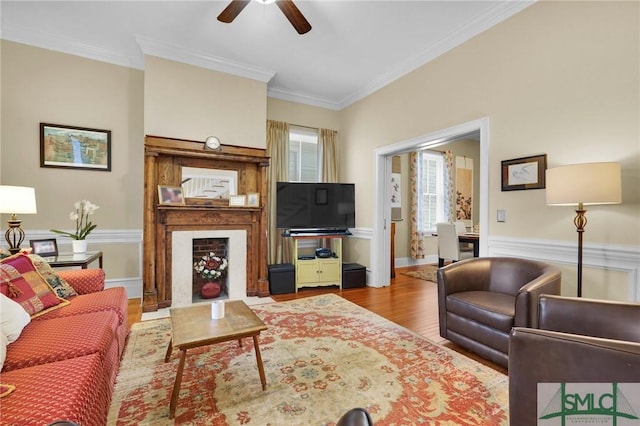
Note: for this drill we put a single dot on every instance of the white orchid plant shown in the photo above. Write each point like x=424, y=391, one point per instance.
x=83, y=209
x=211, y=267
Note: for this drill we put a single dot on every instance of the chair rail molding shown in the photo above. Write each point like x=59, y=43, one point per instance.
x=361, y=233
x=613, y=257
x=102, y=237
x=98, y=236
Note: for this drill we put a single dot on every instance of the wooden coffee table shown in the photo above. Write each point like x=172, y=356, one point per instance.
x=192, y=327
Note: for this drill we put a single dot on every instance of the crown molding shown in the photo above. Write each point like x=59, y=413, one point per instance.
x=199, y=59
x=286, y=95
x=500, y=12
x=147, y=46
x=492, y=17
x=70, y=46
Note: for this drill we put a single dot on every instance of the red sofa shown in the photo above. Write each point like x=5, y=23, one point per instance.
x=65, y=362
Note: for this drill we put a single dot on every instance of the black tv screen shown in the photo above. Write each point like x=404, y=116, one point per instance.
x=315, y=205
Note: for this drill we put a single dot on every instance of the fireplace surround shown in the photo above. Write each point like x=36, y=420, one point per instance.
x=164, y=224
x=182, y=263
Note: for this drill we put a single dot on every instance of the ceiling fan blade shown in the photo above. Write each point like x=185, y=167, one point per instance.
x=232, y=10
x=294, y=16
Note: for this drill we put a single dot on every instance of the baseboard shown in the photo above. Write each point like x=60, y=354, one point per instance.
x=401, y=262
x=132, y=285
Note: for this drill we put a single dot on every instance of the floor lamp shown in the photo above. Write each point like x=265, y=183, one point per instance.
x=14, y=200
x=581, y=185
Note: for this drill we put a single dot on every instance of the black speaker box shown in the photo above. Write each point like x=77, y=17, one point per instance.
x=354, y=275
x=282, y=278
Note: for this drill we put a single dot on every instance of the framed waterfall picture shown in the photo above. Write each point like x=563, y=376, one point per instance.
x=75, y=147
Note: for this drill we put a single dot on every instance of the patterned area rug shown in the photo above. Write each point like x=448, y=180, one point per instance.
x=322, y=356
x=425, y=272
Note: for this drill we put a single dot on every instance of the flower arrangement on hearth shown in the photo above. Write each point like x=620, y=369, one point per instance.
x=211, y=267
x=83, y=209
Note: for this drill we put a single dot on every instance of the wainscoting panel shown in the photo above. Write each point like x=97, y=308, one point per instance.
x=622, y=259
x=98, y=239
x=610, y=257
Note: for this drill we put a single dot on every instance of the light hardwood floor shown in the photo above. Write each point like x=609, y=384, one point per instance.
x=409, y=302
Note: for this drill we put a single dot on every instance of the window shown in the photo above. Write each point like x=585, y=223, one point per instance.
x=430, y=190
x=303, y=155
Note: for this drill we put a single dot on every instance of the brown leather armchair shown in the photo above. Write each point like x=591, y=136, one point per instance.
x=591, y=341
x=481, y=299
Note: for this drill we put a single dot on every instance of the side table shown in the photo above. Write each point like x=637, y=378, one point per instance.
x=74, y=259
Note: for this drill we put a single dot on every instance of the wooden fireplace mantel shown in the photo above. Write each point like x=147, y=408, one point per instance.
x=164, y=160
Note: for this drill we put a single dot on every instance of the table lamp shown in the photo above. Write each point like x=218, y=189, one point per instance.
x=581, y=185
x=14, y=200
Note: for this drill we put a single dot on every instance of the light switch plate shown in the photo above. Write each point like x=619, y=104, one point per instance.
x=502, y=216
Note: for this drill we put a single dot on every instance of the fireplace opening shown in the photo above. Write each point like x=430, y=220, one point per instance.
x=210, y=254
x=183, y=271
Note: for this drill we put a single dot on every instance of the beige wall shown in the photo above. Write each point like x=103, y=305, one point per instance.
x=40, y=85
x=188, y=102
x=183, y=101
x=303, y=115
x=559, y=78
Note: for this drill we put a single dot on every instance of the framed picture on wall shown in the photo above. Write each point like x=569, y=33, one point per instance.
x=396, y=190
x=464, y=188
x=75, y=147
x=524, y=173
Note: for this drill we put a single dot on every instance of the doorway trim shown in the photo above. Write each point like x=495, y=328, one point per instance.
x=381, y=241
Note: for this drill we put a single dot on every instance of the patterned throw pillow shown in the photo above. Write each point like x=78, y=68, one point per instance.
x=20, y=281
x=57, y=283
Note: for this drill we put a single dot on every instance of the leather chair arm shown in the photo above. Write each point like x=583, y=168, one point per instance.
x=528, y=295
x=599, y=318
x=542, y=356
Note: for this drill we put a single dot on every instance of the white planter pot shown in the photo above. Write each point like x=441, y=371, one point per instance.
x=79, y=246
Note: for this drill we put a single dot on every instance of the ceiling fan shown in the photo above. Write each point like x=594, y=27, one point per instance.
x=290, y=10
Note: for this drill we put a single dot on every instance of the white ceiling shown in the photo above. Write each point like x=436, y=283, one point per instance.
x=354, y=48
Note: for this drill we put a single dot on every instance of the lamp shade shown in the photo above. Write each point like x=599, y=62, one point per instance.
x=17, y=199
x=588, y=183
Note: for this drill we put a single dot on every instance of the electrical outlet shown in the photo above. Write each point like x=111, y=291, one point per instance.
x=502, y=216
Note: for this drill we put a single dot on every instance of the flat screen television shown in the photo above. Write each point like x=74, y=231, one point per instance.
x=315, y=206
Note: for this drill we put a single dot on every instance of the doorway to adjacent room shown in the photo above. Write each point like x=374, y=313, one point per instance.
x=380, y=245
